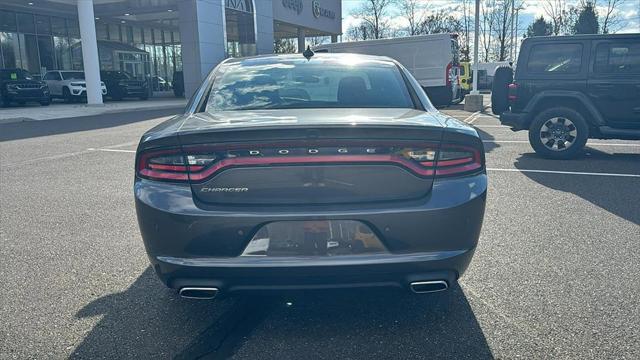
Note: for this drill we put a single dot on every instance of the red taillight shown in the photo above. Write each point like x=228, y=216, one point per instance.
x=513, y=92
x=457, y=160
x=169, y=165
x=200, y=163
x=447, y=74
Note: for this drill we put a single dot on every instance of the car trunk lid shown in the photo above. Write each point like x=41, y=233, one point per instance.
x=319, y=156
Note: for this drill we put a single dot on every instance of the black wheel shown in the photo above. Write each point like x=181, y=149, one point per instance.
x=66, y=95
x=500, y=88
x=558, y=133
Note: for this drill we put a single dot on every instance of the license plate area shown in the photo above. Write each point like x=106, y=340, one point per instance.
x=314, y=238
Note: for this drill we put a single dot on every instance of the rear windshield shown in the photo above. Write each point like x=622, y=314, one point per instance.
x=74, y=75
x=300, y=84
x=555, y=58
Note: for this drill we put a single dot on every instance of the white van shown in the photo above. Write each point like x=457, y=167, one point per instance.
x=432, y=59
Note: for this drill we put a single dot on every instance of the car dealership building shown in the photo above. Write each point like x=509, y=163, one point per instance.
x=152, y=39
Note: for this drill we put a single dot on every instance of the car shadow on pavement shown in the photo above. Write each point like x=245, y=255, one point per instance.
x=487, y=138
x=150, y=321
x=31, y=129
x=603, y=191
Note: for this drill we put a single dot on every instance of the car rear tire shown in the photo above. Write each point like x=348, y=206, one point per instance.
x=558, y=133
x=499, y=90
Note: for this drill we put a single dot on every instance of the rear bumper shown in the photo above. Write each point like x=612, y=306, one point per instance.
x=263, y=274
x=429, y=239
x=517, y=121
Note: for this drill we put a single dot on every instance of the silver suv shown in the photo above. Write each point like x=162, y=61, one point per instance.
x=68, y=84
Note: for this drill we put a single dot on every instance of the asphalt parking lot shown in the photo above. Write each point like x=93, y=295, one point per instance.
x=555, y=274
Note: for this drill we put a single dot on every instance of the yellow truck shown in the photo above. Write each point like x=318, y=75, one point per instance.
x=466, y=77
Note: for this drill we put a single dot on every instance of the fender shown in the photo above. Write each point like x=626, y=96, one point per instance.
x=595, y=118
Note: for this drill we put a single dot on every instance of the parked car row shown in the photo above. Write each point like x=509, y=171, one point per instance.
x=18, y=86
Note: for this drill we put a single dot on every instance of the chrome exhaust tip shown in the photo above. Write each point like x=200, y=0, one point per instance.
x=423, y=287
x=202, y=293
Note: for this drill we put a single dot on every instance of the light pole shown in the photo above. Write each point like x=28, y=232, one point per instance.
x=476, y=33
x=473, y=101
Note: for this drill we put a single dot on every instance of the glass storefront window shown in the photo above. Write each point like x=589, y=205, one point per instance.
x=157, y=36
x=45, y=47
x=148, y=38
x=241, y=40
x=58, y=26
x=26, y=23
x=43, y=26
x=114, y=32
x=102, y=33
x=10, y=50
x=8, y=21
x=137, y=38
x=178, y=50
x=76, y=54
x=74, y=28
x=128, y=34
x=29, y=53
x=62, y=52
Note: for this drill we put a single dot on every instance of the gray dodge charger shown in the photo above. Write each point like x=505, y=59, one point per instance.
x=309, y=172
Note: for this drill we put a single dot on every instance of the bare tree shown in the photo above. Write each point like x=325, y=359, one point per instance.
x=504, y=14
x=413, y=12
x=285, y=46
x=611, y=19
x=374, y=13
x=360, y=31
x=557, y=11
x=440, y=22
x=487, y=25
x=466, y=23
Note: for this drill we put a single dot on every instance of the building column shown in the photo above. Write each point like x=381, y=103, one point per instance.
x=334, y=38
x=263, y=15
x=301, y=38
x=202, y=34
x=90, y=59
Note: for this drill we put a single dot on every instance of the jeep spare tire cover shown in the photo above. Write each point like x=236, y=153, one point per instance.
x=500, y=89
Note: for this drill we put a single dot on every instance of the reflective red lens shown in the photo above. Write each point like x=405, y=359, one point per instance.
x=203, y=162
x=454, y=160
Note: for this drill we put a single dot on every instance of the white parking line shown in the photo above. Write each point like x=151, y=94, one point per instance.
x=588, y=144
x=112, y=150
x=470, y=116
x=564, y=172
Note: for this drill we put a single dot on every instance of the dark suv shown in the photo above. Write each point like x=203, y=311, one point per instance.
x=567, y=89
x=121, y=84
x=17, y=85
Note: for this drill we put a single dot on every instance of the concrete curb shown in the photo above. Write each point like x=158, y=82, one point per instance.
x=103, y=112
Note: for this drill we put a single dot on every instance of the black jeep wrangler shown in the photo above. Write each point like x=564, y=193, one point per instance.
x=567, y=89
